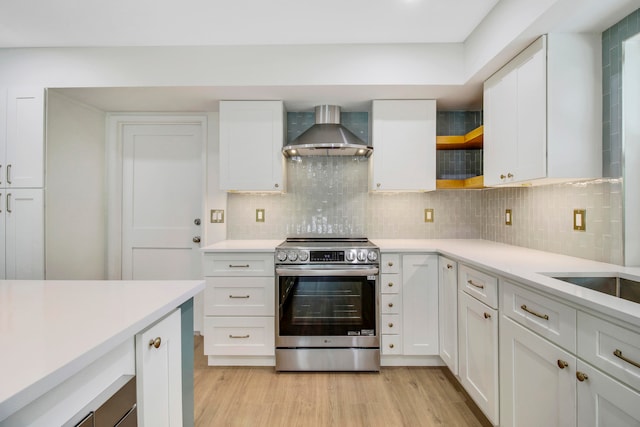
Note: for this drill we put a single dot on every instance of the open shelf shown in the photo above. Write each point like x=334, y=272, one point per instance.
x=463, y=184
x=471, y=140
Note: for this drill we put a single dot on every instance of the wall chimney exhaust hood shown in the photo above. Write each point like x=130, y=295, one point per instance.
x=327, y=138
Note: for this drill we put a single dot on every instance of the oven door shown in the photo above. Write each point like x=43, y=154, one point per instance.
x=327, y=307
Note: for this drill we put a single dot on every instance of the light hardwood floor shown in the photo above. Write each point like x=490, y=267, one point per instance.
x=259, y=396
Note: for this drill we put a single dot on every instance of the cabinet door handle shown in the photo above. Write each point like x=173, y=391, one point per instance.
x=487, y=315
x=239, y=336
x=391, y=325
x=449, y=266
x=0, y=174
x=277, y=185
x=475, y=284
x=155, y=342
x=562, y=364
x=8, y=174
x=391, y=346
x=239, y=296
x=390, y=284
x=9, y=203
x=528, y=310
x=390, y=263
x=239, y=266
x=0, y=202
x=581, y=376
x=509, y=175
x=390, y=304
x=502, y=176
x=618, y=353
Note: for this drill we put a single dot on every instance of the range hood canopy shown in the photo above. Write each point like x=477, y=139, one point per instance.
x=327, y=138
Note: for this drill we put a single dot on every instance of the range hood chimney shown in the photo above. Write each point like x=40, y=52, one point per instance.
x=327, y=138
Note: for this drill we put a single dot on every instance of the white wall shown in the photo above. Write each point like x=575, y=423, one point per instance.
x=75, y=189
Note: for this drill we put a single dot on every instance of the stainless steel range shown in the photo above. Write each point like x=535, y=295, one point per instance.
x=327, y=294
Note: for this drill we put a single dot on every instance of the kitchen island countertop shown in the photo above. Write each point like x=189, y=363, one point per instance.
x=51, y=330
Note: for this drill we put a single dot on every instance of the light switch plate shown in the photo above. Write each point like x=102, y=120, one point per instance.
x=217, y=216
x=259, y=215
x=580, y=219
x=428, y=215
x=508, y=217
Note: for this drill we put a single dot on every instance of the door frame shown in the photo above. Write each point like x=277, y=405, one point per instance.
x=116, y=123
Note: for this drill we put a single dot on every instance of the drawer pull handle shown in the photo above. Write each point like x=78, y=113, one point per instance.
x=239, y=336
x=390, y=284
x=391, y=345
x=239, y=266
x=618, y=353
x=542, y=316
x=390, y=263
x=155, y=342
x=475, y=284
x=391, y=325
x=390, y=304
x=581, y=376
x=487, y=315
x=449, y=266
x=239, y=296
x=562, y=364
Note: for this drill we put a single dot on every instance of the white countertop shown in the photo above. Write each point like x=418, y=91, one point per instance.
x=511, y=262
x=50, y=330
x=243, y=246
x=525, y=266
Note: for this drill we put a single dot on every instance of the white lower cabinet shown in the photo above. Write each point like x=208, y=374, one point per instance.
x=478, y=353
x=159, y=373
x=603, y=401
x=448, y=312
x=21, y=234
x=420, y=304
x=537, y=379
x=239, y=308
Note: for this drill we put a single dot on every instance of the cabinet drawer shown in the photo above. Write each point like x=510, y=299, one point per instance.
x=391, y=344
x=391, y=324
x=551, y=319
x=239, y=296
x=612, y=348
x=239, y=336
x=390, y=283
x=390, y=263
x=239, y=264
x=479, y=285
x=391, y=304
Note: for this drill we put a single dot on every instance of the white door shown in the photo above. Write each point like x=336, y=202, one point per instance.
x=162, y=201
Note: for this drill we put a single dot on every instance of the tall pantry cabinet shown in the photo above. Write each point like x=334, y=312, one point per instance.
x=21, y=183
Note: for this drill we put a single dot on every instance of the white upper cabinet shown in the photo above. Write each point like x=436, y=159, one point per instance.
x=543, y=113
x=404, y=145
x=251, y=140
x=22, y=146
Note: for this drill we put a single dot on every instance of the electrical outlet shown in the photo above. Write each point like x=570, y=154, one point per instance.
x=428, y=215
x=259, y=215
x=508, y=217
x=580, y=219
x=217, y=216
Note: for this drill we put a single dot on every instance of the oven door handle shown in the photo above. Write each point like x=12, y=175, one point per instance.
x=369, y=271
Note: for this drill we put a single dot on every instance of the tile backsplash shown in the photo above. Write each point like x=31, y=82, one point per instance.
x=328, y=196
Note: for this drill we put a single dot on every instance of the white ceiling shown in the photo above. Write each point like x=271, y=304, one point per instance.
x=86, y=23
x=38, y=23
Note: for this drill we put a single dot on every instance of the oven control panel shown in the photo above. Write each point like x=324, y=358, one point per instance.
x=342, y=256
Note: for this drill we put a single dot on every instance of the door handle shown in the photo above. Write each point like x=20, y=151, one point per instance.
x=196, y=239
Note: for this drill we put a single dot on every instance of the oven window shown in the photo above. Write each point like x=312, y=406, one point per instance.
x=331, y=306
